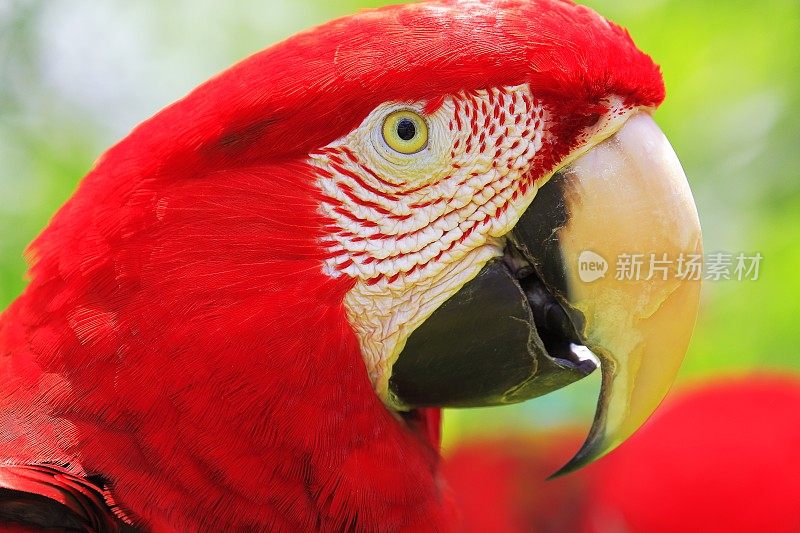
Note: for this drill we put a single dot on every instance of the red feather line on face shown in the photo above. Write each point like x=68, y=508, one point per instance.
x=472, y=115
x=178, y=336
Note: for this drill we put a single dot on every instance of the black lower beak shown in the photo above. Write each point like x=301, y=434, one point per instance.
x=501, y=339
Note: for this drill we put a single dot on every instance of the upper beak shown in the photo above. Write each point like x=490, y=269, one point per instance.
x=601, y=249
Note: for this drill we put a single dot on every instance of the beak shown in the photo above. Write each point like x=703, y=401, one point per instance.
x=592, y=263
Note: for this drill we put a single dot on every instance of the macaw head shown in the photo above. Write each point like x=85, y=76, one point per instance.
x=441, y=189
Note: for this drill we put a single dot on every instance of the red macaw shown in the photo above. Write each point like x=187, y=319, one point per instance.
x=251, y=311
x=721, y=457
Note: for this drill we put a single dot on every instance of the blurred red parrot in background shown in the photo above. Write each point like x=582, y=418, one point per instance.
x=719, y=458
x=251, y=311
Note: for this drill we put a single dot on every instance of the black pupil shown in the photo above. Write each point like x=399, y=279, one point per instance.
x=406, y=129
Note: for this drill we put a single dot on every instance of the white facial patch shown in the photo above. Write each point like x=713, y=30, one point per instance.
x=412, y=229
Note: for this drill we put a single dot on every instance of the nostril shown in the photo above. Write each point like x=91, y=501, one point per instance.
x=595, y=113
x=592, y=119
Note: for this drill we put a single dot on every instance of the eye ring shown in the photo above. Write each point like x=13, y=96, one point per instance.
x=405, y=131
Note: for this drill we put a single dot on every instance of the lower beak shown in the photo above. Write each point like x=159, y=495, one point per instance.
x=605, y=258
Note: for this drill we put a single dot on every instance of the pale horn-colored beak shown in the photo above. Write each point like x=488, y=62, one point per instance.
x=629, y=242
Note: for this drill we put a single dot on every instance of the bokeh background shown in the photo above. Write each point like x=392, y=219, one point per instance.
x=77, y=75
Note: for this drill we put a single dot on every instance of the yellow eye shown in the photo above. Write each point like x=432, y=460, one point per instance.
x=405, y=132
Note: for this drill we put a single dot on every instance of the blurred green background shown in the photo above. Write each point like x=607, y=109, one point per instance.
x=76, y=75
